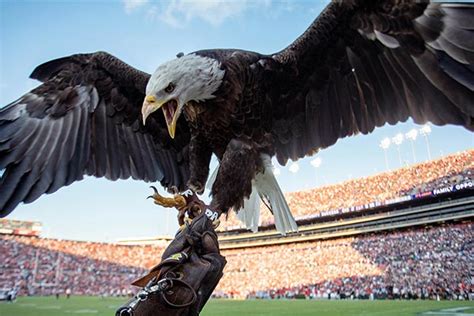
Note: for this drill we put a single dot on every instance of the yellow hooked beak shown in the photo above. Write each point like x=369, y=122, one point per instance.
x=151, y=104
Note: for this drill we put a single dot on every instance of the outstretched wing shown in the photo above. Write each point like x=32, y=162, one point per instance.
x=362, y=64
x=84, y=119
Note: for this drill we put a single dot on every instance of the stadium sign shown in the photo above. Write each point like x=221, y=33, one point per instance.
x=453, y=188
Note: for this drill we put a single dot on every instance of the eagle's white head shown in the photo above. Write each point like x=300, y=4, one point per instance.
x=179, y=81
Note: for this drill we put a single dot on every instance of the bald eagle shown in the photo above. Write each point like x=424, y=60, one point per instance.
x=359, y=65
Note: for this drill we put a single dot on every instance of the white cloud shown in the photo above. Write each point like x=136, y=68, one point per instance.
x=132, y=5
x=214, y=12
x=178, y=13
x=152, y=12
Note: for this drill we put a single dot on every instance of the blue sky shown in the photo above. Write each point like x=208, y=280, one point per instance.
x=144, y=34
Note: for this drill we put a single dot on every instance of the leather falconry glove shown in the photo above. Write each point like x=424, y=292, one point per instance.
x=190, y=267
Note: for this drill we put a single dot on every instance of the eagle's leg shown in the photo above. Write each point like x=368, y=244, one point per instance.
x=200, y=156
x=237, y=168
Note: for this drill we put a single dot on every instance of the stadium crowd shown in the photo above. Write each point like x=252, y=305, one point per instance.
x=413, y=179
x=416, y=263
x=47, y=266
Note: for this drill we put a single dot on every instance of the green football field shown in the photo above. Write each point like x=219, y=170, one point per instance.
x=49, y=306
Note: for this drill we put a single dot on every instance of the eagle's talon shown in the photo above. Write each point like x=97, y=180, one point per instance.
x=177, y=201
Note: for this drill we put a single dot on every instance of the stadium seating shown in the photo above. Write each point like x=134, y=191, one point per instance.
x=418, y=262
x=45, y=266
x=413, y=179
x=424, y=260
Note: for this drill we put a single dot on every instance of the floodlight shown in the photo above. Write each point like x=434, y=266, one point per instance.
x=385, y=143
x=412, y=134
x=425, y=130
x=294, y=167
x=316, y=162
x=398, y=139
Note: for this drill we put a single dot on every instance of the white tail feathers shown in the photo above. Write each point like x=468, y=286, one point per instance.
x=212, y=178
x=264, y=186
x=250, y=213
x=267, y=187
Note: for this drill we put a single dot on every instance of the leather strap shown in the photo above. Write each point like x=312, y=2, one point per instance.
x=177, y=281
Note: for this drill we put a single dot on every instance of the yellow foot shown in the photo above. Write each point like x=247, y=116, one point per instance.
x=176, y=201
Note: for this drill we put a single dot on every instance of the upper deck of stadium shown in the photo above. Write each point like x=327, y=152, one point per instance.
x=361, y=194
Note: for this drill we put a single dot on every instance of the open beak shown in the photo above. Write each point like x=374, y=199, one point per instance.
x=171, y=111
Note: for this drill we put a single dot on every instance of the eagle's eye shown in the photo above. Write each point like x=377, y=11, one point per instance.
x=169, y=88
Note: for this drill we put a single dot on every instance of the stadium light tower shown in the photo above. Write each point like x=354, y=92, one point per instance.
x=411, y=135
x=425, y=130
x=384, y=144
x=316, y=163
x=398, y=140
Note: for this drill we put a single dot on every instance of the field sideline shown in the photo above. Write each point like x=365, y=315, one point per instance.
x=49, y=306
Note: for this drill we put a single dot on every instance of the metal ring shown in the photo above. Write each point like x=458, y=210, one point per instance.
x=142, y=295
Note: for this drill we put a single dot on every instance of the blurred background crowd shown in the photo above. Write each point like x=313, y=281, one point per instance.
x=413, y=263
x=431, y=262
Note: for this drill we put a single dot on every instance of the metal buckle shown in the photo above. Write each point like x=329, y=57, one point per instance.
x=160, y=286
x=142, y=295
x=126, y=312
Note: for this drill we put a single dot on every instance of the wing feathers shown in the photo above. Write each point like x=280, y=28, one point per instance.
x=459, y=37
x=459, y=72
x=458, y=94
x=16, y=183
x=364, y=64
x=460, y=17
x=83, y=120
x=458, y=53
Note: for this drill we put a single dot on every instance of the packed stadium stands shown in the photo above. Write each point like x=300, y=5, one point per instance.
x=41, y=266
x=415, y=262
x=423, y=251
x=418, y=262
x=360, y=194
